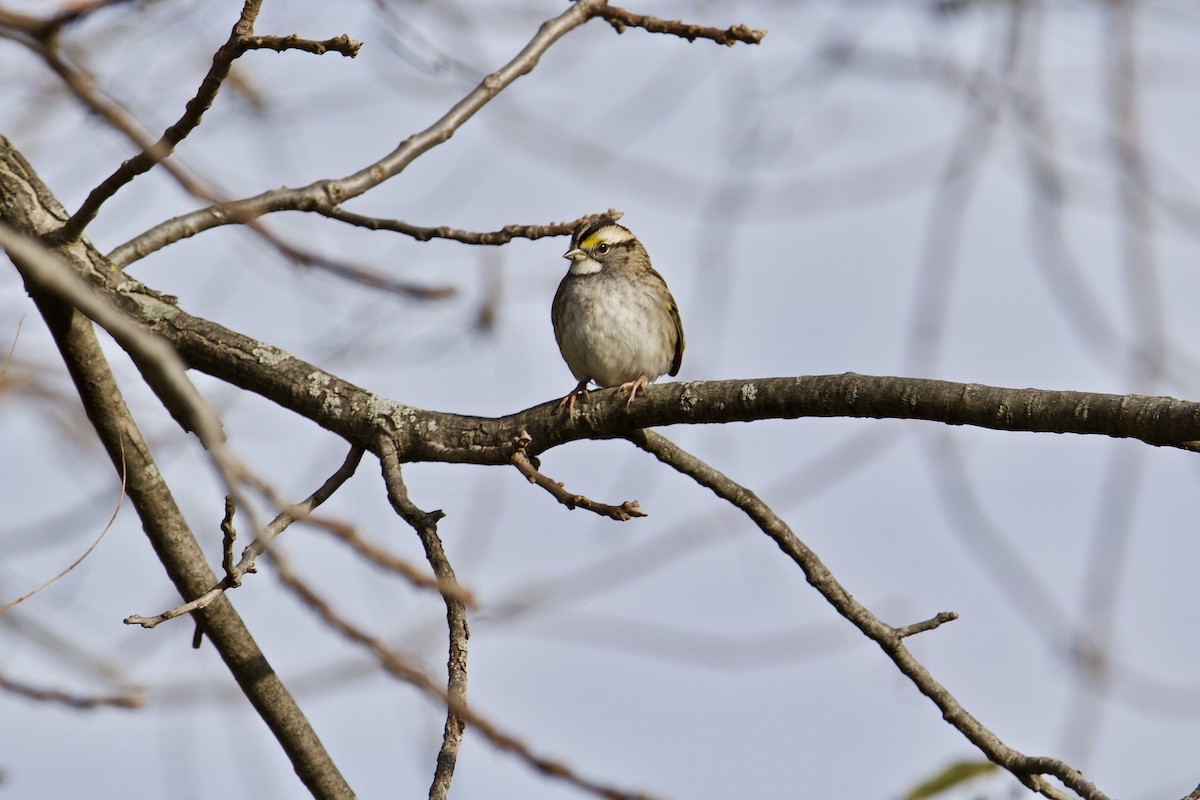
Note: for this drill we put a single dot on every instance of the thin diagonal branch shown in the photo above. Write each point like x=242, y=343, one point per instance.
x=86, y=553
x=235, y=573
x=328, y=194
x=241, y=40
x=1028, y=769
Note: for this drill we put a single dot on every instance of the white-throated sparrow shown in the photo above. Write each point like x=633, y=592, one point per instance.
x=614, y=318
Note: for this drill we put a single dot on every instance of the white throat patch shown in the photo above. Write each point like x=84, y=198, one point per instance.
x=585, y=266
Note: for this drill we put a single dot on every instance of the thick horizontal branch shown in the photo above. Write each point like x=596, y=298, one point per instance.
x=425, y=435
x=360, y=416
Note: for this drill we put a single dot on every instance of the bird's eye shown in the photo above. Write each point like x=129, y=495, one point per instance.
x=602, y=248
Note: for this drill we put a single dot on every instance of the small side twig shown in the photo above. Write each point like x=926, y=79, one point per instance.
x=622, y=513
x=351, y=271
x=926, y=625
x=338, y=44
x=228, y=537
x=81, y=702
x=621, y=19
x=13, y=347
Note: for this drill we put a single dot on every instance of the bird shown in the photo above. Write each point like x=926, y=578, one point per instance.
x=614, y=318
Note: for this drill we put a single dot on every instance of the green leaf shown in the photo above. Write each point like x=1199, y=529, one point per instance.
x=948, y=778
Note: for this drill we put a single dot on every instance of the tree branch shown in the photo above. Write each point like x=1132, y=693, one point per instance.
x=133, y=699
x=235, y=572
x=425, y=435
x=179, y=552
x=329, y=194
x=241, y=40
x=1028, y=769
x=425, y=524
x=424, y=234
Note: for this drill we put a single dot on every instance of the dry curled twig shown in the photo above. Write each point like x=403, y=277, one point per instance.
x=622, y=513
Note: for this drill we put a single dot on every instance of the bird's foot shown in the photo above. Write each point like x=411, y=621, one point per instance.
x=569, y=400
x=633, y=386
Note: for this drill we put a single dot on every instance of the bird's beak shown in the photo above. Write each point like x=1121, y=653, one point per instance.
x=575, y=254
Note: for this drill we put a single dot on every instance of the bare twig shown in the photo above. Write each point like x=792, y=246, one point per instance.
x=927, y=625
x=393, y=563
x=424, y=234
x=1028, y=769
x=12, y=348
x=338, y=44
x=86, y=553
x=352, y=272
x=46, y=28
x=621, y=19
x=157, y=360
x=621, y=513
